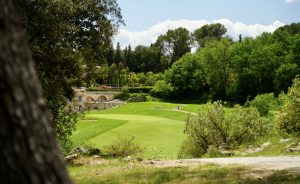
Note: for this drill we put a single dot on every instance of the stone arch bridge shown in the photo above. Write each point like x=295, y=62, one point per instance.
x=95, y=100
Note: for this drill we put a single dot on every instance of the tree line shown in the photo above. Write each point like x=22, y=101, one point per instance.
x=221, y=68
x=161, y=54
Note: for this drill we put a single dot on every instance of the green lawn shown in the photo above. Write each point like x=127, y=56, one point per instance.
x=89, y=128
x=155, y=126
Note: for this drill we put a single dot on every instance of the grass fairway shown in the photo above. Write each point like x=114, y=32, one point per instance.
x=155, y=125
x=161, y=137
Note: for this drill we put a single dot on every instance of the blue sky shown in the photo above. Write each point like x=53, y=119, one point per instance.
x=142, y=15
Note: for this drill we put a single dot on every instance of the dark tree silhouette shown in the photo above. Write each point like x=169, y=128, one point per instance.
x=28, y=150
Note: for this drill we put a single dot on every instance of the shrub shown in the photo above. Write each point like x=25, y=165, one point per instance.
x=136, y=97
x=161, y=89
x=124, y=94
x=143, y=89
x=214, y=129
x=123, y=147
x=288, y=119
x=189, y=149
x=265, y=103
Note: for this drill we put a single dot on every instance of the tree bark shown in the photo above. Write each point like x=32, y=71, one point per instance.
x=29, y=152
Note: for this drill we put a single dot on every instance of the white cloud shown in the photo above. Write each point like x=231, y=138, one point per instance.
x=292, y=1
x=150, y=35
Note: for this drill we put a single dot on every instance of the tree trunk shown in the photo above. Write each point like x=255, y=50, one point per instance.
x=28, y=150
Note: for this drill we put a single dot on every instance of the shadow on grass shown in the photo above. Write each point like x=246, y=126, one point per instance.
x=203, y=174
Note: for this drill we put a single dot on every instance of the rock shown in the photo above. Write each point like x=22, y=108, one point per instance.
x=253, y=149
x=86, y=151
x=70, y=158
x=264, y=145
x=282, y=140
x=297, y=149
x=96, y=156
x=227, y=153
x=127, y=159
x=81, y=150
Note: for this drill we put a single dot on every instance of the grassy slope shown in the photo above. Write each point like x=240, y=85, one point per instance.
x=89, y=128
x=153, y=124
x=160, y=136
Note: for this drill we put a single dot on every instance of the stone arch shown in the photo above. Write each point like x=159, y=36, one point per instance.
x=89, y=99
x=102, y=98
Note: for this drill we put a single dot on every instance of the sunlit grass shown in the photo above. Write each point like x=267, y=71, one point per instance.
x=122, y=172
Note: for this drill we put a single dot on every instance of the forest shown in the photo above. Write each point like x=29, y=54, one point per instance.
x=220, y=69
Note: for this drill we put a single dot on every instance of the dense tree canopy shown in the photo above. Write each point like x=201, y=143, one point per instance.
x=175, y=43
x=208, y=32
x=233, y=70
x=217, y=56
x=188, y=76
x=68, y=38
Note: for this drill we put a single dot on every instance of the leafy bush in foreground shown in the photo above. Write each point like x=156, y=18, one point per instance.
x=288, y=119
x=123, y=147
x=214, y=128
x=265, y=103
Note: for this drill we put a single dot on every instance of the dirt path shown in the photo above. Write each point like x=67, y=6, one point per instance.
x=187, y=112
x=270, y=163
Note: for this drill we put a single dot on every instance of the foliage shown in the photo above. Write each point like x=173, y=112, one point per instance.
x=208, y=32
x=234, y=71
x=161, y=89
x=284, y=76
x=292, y=29
x=187, y=75
x=288, y=119
x=67, y=39
x=124, y=94
x=137, y=97
x=214, y=128
x=265, y=103
x=190, y=149
x=143, y=89
x=217, y=56
x=147, y=59
x=123, y=147
x=174, y=44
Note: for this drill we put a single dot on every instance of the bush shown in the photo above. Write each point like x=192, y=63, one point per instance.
x=288, y=119
x=214, y=129
x=123, y=147
x=265, y=103
x=124, y=95
x=136, y=97
x=189, y=149
x=143, y=89
x=161, y=89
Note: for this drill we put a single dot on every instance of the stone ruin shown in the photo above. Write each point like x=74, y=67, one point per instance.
x=100, y=100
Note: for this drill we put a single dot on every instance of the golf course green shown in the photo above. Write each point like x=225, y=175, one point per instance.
x=157, y=126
